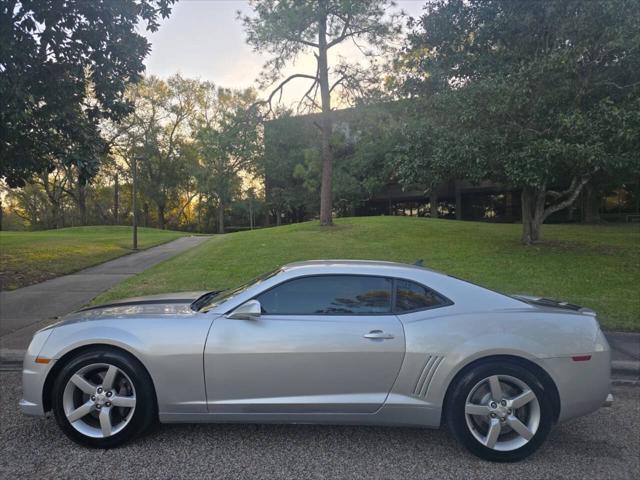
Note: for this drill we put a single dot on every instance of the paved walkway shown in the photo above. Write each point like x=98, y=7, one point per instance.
x=25, y=310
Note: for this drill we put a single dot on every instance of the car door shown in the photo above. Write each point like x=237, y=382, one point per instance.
x=322, y=344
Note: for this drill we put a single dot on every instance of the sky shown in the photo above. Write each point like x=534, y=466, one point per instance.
x=202, y=39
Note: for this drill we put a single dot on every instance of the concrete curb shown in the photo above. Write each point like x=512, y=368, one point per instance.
x=11, y=356
x=625, y=367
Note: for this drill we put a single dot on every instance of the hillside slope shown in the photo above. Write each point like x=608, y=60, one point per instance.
x=595, y=266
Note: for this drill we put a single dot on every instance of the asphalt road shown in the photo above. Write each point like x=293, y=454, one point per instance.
x=605, y=444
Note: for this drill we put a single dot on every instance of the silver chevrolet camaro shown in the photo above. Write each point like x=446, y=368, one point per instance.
x=332, y=341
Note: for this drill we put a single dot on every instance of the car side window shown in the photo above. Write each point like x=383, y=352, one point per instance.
x=329, y=295
x=413, y=296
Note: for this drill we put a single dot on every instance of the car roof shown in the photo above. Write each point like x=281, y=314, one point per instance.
x=339, y=263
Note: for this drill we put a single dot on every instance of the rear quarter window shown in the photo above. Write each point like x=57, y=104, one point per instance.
x=411, y=296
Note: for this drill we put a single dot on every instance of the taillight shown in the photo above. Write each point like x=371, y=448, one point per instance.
x=581, y=358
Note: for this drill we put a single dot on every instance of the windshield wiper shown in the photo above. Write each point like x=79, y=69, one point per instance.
x=202, y=300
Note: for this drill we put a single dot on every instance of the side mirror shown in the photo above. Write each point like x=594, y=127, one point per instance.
x=247, y=311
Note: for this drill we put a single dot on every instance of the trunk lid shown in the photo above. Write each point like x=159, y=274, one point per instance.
x=543, y=302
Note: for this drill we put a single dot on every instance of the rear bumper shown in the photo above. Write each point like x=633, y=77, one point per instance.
x=583, y=386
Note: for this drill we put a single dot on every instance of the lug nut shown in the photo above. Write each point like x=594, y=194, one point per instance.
x=494, y=405
x=509, y=412
x=99, y=389
x=503, y=403
x=493, y=415
x=109, y=393
x=93, y=398
x=108, y=404
x=98, y=406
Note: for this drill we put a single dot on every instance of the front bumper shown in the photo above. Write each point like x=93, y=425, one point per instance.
x=32, y=388
x=34, y=375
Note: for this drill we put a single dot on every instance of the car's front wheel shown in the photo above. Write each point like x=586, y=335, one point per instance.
x=500, y=411
x=102, y=398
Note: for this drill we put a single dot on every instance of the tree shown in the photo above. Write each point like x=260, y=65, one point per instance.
x=157, y=136
x=227, y=142
x=160, y=138
x=542, y=96
x=364, y=143
x=431, y=149
x=287, y=29
x=52, y=56
x=291, y=167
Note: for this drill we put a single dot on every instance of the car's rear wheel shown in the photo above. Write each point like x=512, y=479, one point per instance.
x=102, y=398
x=500, y=411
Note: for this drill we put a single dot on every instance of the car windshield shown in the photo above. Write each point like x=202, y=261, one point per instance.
x=213, y=299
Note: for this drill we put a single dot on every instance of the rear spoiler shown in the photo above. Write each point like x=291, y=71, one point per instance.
x=551, y=303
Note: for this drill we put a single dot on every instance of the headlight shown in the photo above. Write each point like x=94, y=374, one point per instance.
x=38, y=341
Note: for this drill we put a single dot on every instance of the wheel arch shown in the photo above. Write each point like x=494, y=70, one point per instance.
x=47, y=390
x=546, y=380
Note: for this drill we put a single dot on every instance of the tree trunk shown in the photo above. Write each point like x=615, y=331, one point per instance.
x=221, y=218
x=591, y=204
x=82, y=202
x=325, y=127
x=161, y=216
x=458, y=200
x=116, y=199
x=199, y=213
x=145, y=214
x=535, y=211
x=134, y=200
x=250, y=214
x=530, y=219
x=55, y=216
x=508, y=208
x=433, y=203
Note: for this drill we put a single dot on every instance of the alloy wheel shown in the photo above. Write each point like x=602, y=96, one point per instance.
x=99, y=400
x=502, y=412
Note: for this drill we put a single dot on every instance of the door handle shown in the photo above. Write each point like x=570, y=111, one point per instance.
x=378, y=335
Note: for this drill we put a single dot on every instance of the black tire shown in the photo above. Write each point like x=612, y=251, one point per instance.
x=144, y=414
x=457, y=397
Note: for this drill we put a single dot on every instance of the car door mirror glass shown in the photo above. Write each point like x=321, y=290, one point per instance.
x=247, y=311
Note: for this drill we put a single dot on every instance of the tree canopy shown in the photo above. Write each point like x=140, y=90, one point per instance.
x=65, y=66
x=538, y=97
x=543, y=96
x=228, y=142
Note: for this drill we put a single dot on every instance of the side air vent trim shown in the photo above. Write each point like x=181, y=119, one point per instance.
x=426, y=375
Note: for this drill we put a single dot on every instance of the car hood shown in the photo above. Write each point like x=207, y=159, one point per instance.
x=164, y=304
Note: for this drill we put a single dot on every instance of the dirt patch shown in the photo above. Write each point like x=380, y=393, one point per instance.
x=10, y=280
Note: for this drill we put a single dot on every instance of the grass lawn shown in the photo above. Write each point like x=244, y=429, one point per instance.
x=594, y=266
x=31, y=257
